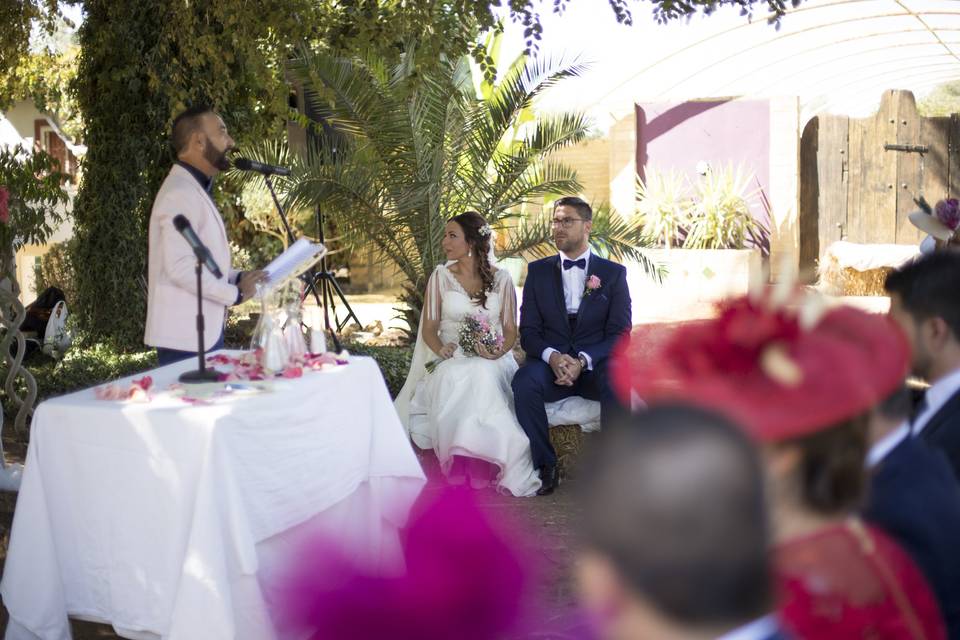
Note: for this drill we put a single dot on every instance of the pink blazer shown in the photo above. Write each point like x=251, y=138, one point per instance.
x=171, y=279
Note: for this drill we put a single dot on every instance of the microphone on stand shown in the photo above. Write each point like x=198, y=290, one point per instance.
x=246, y=164
x=199, y=249
x=204, y=259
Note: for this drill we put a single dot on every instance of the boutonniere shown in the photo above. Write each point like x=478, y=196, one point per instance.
x=593, y=283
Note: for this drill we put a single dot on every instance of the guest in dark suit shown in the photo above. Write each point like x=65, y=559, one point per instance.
x=925, y=301
x=576, y=307
x=915, y=497
x=676, y=530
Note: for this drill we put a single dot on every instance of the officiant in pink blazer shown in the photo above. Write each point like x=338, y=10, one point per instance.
x=201, y=142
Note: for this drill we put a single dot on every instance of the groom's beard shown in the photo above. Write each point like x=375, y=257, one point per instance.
x=567, y=244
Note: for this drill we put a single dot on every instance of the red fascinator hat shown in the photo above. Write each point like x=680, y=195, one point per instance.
x=781, y=373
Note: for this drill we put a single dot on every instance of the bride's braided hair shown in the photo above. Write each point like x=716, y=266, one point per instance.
x=477, y=233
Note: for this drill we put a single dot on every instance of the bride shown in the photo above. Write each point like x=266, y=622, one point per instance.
x=463, y=409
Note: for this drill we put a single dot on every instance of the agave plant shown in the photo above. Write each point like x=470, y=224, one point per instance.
x=421, y=147
x=663, y=207
x=721, y=217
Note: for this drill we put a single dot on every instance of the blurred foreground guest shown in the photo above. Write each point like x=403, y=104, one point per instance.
x=676, y=531
x=802, y=382
x=915, y=497
x=466, y=578
x=925, y=302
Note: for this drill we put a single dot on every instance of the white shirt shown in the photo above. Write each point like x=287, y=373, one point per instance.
x=882, y=447
x=574, y=283
x=756, y=630
x=937, y=396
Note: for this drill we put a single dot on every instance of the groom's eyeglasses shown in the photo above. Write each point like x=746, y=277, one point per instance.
x=566, y=223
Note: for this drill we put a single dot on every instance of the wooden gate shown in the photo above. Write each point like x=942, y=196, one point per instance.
x=858, y=177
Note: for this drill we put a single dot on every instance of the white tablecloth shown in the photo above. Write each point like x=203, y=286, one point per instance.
x=165, y=518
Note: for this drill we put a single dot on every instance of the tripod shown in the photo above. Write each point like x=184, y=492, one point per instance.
x=328, y=284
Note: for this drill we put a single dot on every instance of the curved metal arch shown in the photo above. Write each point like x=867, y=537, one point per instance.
x=851, y=71
x=693, y=45
x=829, y=103
x=885, y=81
x=781, y=60
x=782, y=37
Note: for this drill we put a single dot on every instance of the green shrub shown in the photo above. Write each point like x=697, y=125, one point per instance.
x=87, y=366
x=82, y=367
x=394, y=362
x=56, y=270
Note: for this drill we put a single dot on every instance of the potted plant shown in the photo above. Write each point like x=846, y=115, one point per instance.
x=709, y=240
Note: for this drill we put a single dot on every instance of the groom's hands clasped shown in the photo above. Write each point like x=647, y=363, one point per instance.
x=566, y=369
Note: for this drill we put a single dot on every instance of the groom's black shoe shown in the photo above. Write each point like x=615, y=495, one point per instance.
x=549, y=480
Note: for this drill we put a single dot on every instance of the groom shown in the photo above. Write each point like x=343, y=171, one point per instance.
x=576, y=306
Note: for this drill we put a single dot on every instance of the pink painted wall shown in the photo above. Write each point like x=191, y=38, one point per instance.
x=676, y=136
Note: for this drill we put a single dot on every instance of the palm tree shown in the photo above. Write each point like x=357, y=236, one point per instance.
x=419, y=147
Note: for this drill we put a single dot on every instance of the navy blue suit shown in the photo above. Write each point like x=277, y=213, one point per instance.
x=942, y=431
x=603, y=318
x=915, y=497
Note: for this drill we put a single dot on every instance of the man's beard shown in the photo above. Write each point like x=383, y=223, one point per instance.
x=216, y=157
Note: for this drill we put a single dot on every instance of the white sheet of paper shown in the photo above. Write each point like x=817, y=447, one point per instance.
x=297, y=258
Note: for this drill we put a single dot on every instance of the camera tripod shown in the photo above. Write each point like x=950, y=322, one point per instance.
x=326, y=281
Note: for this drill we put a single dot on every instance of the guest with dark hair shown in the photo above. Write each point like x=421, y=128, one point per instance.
x=802, y=381
x=925, y=302
x=676, y=530
x=915, y=497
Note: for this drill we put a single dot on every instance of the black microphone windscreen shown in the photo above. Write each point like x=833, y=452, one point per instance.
x=244, y=164
x=180, y=222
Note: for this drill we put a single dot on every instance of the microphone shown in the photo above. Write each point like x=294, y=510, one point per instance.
x=203, y=254
x=246, y=164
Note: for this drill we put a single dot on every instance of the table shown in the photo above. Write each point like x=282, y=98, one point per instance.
x=166, y=519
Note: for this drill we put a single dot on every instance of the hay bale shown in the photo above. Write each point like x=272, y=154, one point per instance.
x=567, y=441
x=846, y=281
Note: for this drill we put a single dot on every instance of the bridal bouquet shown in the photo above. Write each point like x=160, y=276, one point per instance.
x=475, y=331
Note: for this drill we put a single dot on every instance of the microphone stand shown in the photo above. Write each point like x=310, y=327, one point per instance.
x=311, y=278
x=202, y=374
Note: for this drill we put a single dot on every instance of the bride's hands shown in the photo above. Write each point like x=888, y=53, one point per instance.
x=483, y=352
x=447, y=350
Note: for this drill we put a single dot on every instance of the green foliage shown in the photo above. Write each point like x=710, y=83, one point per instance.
x=715, y=216
x=611, y=236
x=394, y=363
x=139, y=67
x=721, y=217
x=36, y=196
x=56, y=270
x=942, y=101
x=421, y=148
x=663, y=207
x=85, y=366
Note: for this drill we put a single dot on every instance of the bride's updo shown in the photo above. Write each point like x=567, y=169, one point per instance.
x=477, y=233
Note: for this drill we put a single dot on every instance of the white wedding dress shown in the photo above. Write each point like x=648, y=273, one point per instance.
x=465, y=406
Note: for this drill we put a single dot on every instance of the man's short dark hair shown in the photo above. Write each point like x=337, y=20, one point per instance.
x=186, y=124
x=577, y=204
x=674, y=498
x=930, y=287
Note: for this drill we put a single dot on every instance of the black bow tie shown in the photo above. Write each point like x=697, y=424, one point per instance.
x=570, y=264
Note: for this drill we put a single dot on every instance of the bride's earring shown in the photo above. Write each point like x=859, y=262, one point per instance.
x=470, y=253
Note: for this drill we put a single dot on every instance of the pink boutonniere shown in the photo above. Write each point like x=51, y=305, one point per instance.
x=593, y=283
